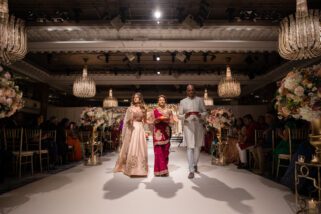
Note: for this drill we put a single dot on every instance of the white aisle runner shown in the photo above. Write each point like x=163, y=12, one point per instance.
x=96, y=190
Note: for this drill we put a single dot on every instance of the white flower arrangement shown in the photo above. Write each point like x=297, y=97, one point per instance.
x=299, y=94
x=94, y=116
x=220, y=118
x=10, y=95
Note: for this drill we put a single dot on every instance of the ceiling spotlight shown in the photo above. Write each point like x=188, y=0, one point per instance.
x=189, y=22
x=130, y=56
x=158, y=72
x=181, y=57
x=158, y=22
x=157, y=58
x=157, y=14
x=117, y=22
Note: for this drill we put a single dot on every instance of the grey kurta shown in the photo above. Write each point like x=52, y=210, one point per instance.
x=193, y=127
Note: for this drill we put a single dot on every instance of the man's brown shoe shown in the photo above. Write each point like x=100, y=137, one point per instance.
x=191, y=175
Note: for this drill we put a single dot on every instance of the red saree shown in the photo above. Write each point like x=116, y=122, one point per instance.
x=161, y=138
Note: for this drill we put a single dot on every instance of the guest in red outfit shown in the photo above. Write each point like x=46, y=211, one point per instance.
x=73, y=140
x=246, y=139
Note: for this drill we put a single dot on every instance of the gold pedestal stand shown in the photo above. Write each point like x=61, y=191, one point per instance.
x=93, y=159
x=315, y=137
x=220, y=147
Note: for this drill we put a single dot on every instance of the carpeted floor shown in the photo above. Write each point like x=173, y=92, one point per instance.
x=96, y=190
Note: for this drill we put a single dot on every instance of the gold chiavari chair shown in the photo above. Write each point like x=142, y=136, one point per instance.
x=296, y=136
x=51, y=134
x=33, y=139
x=258, y=140
x=15, y=143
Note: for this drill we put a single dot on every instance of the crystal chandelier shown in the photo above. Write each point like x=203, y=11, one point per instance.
x=110, y=101
x=229, y=87
x=300, y=33
x=13, y=39
x=207, y=100
x=84, y=86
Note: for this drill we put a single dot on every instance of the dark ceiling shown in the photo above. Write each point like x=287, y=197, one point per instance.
x=174, y=11
x=236, y=12
x=252, y=64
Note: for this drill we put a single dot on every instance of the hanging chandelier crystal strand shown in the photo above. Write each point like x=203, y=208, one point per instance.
x=207, y=100
x=13, y=39
x=84, y=86
x=300, y=33
x=229, y=87
x=110, y=101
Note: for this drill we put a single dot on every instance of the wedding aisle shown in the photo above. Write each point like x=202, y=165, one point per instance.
x=97, y=190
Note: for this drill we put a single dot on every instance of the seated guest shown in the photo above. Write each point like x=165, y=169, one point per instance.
x=282, y=146
x=73, y=140
x=246, y=139
x=62, y=140
x=305, y=186
x=231, y=153
x=261, y=123
x=50, y=124
x=264, y=146
x=209, y=136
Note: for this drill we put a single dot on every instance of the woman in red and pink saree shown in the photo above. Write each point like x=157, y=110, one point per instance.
x=162, y=118
x=133, y=156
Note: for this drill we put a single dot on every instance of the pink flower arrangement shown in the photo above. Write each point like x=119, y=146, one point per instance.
x=220, y=118
x=94, y=116
x=299, y=94
x=10, y=95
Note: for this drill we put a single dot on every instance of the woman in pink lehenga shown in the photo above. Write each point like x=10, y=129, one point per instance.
x=161, y=117
x=132, y=159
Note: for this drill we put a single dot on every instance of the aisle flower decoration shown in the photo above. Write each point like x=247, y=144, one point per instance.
x=299, y=94
x=220, y=118
x=95, y=116
x=10, y=95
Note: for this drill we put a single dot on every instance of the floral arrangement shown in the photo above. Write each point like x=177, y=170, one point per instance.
x=172, y=107
x=220, y=118
x=299, y=94
x=94, y=116
x=10, y=95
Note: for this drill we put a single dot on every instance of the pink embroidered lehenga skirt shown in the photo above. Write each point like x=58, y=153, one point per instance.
x=133, y=156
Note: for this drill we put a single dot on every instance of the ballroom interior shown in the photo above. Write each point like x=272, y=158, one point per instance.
x=70, y=72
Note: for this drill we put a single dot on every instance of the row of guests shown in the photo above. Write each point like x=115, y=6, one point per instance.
x=66, y=137
x=243, y=133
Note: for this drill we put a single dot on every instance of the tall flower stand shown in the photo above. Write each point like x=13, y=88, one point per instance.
x=315, y=137
x=94, y=157
x=303, y=171
x=220, y=149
